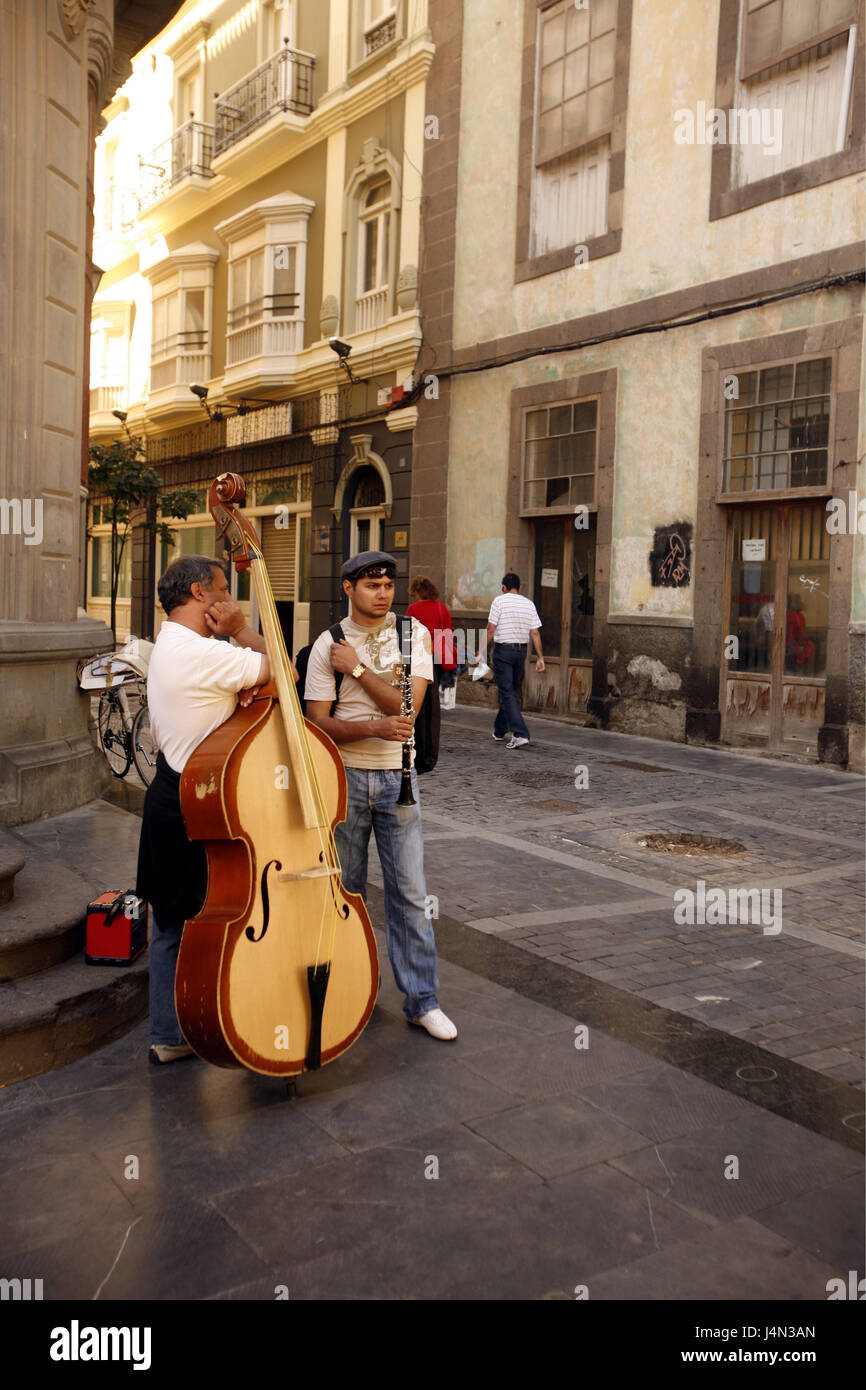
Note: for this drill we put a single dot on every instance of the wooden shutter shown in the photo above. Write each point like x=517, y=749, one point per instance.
x=278, y=548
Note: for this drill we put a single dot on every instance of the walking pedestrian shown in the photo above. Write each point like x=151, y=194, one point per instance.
x=369, y=729
x=429, y=610
x=512, y=620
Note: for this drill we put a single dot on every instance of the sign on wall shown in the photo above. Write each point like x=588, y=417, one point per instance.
x=755, y=550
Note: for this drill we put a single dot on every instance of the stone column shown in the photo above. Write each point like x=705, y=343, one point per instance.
x=51, y=52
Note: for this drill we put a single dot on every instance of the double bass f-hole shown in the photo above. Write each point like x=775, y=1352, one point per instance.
x=266, y=902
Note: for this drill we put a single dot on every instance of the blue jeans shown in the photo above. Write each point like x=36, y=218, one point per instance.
x=509, y=659
x=164, y=946
x=372, y=805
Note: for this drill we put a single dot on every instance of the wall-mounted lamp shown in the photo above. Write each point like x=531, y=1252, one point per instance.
x=122, y=417
x=216, y=415
x=342, y=350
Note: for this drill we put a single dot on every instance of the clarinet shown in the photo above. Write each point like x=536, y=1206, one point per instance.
x=405, y=680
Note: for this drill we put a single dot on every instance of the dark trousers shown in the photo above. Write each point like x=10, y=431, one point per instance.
x=509, y=659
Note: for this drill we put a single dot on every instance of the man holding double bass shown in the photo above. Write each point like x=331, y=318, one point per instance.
x=193, y=686
x=370, y=728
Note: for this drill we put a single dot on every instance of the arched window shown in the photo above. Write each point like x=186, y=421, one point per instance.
x=373, y=256
x=371, y=226
x=367, y=511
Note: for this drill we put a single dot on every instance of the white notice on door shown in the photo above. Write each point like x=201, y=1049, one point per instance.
x=549, y=579
x=754, y=550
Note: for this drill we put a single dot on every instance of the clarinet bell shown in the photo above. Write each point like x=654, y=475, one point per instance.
x=406, y=798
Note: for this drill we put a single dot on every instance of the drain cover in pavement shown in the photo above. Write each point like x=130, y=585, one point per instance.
x=698, y=846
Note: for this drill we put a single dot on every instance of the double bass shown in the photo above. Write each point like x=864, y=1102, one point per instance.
x=279, y=970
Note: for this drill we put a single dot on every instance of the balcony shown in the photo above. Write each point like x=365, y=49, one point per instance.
x=262, y=342
x=371, y=309
x=187, y=152
x=104, y=399
x=107, y=395
x=282, y=83
x=174, y=363
x=119, y=212
x=384, y=33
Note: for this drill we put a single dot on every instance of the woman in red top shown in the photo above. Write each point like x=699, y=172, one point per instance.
x=428, y=609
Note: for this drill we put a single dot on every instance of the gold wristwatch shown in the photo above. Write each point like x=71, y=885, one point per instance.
x=358, y=671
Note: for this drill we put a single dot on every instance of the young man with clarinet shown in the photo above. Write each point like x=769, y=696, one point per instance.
x=372, y=725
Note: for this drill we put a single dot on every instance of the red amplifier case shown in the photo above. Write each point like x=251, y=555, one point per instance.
x=116, y=929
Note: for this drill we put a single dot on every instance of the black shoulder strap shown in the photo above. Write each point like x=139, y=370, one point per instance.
x=337, y=635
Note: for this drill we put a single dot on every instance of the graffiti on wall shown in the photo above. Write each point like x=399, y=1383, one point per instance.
x=670, y=559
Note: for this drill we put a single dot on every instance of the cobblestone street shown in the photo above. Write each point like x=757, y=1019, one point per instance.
x=561, y=1170
x=516, y=851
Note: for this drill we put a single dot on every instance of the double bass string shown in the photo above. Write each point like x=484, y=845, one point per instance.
x=330, y=854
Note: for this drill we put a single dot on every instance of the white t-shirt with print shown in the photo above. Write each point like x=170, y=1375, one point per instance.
x=192, y=687
x=379, y=648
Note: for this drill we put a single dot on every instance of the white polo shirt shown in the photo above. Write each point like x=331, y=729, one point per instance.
x=192, y=687
x=514, y=617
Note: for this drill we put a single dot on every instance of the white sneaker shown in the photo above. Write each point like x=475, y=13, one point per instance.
x=516, y=742
x=438, y=1025
x=160, y=1053
x=498, y=738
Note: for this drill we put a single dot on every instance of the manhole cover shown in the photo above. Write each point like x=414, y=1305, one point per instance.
x=757, y=1073
x=690, y=844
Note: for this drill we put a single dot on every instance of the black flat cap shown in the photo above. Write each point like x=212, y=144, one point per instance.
x=372, y=563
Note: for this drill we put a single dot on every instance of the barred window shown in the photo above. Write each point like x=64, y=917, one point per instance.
x=777, y=429
x=560, y=456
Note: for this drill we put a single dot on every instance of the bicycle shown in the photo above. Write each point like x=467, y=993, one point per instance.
x=125, y=736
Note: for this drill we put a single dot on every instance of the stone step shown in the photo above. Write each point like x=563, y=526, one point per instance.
x=56, y=1017
x=12, y=860
x=44, y=923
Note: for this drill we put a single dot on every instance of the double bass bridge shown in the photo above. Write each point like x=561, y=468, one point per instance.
x=318, y=871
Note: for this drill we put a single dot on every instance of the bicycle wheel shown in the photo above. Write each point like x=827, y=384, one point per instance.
x=112, y=735
x=144, y=746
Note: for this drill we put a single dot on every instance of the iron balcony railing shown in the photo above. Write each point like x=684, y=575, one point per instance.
x=384, y=33
x=282, y=83
x=119, y=210
x=188, y=151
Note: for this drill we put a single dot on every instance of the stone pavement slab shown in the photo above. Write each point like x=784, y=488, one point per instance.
x=571, y=884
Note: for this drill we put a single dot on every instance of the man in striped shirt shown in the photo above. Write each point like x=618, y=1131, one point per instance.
x=511, y=621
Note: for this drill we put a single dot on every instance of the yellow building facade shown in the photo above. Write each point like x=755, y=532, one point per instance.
x=258, y=194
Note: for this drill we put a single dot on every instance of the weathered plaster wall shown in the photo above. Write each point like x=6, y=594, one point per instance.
x=668, y=241
x=657, y=451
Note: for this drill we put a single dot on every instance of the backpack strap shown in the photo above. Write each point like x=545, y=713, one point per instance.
x=337, y=635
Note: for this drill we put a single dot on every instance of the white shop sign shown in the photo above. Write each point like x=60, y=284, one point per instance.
x=754, y=550
x=549, y=579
